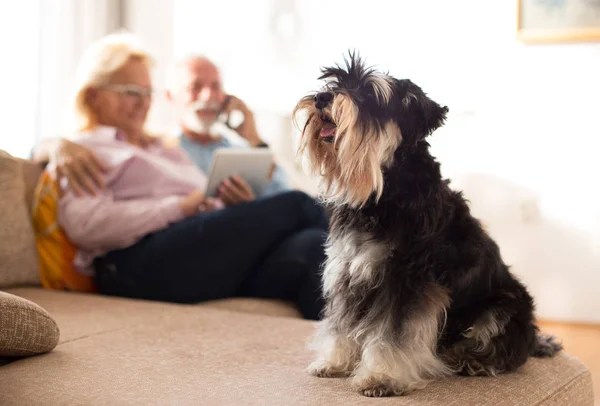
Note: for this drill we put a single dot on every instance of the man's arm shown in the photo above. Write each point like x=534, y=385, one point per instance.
x=73, y=161
x=42, y=151
x=247, y=130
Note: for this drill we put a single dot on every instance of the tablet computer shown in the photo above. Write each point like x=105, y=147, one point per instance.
x=251, y=164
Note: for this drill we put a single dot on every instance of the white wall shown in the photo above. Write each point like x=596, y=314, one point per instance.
x=522, y=136
x=153, y=21
x=36, y=77
x=68, y=27
x=18, y=80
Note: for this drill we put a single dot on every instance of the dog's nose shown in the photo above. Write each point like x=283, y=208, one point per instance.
x=322, y=99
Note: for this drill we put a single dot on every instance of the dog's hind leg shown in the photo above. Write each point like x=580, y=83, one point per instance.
x=497, y=343
x=337, y=354
x=475, y=355
x=396, y=361
x=547, y=346
x=502, y=337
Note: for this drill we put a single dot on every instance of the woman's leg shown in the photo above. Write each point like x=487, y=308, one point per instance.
x=209, y=256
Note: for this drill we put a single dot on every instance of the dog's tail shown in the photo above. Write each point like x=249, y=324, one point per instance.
x=546, y=346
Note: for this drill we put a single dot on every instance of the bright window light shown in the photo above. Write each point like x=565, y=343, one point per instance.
x=19, y=75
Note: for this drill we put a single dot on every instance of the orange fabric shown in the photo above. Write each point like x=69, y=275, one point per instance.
x=56, y=252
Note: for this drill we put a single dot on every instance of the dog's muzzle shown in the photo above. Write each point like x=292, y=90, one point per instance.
x=328, y=129
x=322, y=101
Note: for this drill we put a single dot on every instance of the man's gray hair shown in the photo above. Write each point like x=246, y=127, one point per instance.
x=173, y=68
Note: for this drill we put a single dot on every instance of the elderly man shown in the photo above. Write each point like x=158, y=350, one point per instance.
x=195, y=89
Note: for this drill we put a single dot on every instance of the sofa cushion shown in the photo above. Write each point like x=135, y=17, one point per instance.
x=18, y=256
x=25, y=328
x=72, y=310
x=257, y=306
x=80, y=314
x=151, y=353
x=31, y=173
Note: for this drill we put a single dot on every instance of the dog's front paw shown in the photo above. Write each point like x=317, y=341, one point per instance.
x=372, y=387
x=376, y=390
x=324, y=369
x=377, y=386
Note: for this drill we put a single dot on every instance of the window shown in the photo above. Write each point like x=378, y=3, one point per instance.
x=42, y=41
x=19, y=75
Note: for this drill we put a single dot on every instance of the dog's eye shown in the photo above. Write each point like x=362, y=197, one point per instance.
x=370, y=96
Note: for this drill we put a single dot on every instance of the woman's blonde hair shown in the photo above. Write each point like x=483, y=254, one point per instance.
x=98, y=63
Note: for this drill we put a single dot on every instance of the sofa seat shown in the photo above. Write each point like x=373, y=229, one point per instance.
x=79, y=315
x=118, y=351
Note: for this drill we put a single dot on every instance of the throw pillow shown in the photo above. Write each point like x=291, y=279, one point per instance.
x=56, y=251
x=25, y=328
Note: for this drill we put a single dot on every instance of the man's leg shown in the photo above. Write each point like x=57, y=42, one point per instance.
x=208, y=256
x=292, y=272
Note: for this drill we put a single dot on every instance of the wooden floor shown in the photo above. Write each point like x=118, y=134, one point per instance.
x=582, y=341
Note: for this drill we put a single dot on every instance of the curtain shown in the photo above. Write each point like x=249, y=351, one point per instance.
x=67, y=28
x=19, y=72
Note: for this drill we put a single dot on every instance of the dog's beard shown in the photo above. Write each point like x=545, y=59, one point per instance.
x=349, y=161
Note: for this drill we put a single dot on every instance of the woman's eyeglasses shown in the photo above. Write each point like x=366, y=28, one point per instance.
x=133, y=91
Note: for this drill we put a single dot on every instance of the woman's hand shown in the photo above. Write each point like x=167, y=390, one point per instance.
x=80, y=166
x=209, y=204
x=235, y=190
x=190, y=205
x=195, y=203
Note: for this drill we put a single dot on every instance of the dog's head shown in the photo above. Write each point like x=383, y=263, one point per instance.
x=355, y=124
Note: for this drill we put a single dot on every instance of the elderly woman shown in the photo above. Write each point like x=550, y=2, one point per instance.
x=150, y=233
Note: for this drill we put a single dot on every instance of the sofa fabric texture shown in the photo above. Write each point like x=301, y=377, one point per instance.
x=25, y=328
x=31, y=174
x=121, y=351
x=18, y=255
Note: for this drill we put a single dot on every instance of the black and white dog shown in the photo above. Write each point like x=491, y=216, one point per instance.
x=415, y=288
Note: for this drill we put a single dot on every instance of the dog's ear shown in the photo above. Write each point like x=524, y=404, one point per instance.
x=434, y=115
x=418, y=116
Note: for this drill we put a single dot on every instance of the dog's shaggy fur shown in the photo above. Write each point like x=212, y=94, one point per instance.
x=415, y=288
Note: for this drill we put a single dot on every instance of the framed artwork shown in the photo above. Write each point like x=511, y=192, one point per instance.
x=554, y=21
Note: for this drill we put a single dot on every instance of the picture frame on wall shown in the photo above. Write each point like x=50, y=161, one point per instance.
x=558, y=21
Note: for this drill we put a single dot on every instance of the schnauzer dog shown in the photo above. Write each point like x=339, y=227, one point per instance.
x=415, y=289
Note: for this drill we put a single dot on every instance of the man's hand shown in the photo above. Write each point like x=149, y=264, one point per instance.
x=235, y=190
x=247, y=129
x=80, y=166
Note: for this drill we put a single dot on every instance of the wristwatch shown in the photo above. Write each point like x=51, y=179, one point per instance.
x=262, y=145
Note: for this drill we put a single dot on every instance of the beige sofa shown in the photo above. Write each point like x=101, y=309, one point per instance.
x=237, y=351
